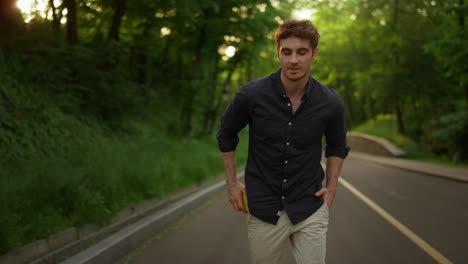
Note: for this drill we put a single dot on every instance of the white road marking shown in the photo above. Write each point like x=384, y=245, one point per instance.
x=426, y=247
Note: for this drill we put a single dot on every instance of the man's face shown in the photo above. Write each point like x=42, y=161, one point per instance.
x=296, y=56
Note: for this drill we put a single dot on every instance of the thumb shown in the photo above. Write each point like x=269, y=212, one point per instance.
x=321, y=192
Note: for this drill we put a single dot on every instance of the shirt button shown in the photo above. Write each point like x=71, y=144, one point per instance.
x=282, y=197
x=289, y=123
x=285, y=162
x=284, y=180
x=287, y=143
x=289, y=104
x=284, y=95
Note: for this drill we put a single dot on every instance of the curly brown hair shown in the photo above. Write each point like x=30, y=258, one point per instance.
x=297, y=28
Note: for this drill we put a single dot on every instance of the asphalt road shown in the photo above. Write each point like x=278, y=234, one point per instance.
x=434, y=210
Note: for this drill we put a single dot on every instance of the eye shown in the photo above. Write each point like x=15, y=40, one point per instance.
x=286, y=52
x=303, y=51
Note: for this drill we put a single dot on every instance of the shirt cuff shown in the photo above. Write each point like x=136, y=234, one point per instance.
x=341, y=152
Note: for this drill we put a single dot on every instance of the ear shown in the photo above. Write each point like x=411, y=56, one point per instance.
x=315, y=53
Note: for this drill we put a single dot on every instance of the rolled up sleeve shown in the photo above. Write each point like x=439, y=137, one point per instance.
x=335, y=133
x=232, y=121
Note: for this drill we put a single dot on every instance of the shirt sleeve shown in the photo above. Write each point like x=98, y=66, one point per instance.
x=335, y=133
x=233, y=120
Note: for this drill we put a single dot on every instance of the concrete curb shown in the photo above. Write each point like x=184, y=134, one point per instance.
x=372, y=144
x=121, y=243
x=446, y=172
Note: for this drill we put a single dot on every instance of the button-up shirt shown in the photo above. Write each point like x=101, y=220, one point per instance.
x=283, y=169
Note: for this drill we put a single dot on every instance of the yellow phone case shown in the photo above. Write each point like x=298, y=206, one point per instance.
x=244, y=201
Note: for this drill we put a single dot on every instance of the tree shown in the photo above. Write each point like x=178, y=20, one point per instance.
x=117, y=19
x=452, y=48
x=10, y=17
x=56, y=16
x=72, y=23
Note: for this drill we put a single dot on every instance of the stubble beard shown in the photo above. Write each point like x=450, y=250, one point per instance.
x=295, y=78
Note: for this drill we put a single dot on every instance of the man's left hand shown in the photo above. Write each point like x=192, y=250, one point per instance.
x=328, y=195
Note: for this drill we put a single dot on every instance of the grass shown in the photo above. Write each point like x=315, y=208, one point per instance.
x=42, y=196
x=385, y=126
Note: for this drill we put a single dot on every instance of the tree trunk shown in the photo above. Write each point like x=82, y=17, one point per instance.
x=55, y=18
x=348, y=93
x=186, y=116
x=117, y=20
x=462, y=35
x=400, y=124
x=399, y=115
x=196, y=74
x=10, y=18
x=394, y=29
x=395, y=14
x=461, y=18
x=145, y=76
x=221, y=97
x=72, y=25
x=466, y=90
x=249, y=74
x=222, y=94
x=210, y=112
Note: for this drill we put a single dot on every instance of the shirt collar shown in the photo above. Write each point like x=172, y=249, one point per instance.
x=278, y=86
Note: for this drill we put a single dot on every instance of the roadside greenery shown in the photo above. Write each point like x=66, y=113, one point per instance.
x=405, y=58
x=91, y=183
x=385, y=126
x=89, y=127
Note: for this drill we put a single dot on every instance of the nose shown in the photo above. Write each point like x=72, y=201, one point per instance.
x=294, y=58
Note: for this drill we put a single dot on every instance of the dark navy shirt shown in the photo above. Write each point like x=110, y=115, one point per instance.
x=283, y=169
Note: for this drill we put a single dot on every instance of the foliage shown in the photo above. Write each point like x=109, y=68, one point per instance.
x=91, y=184
x=405, y=58
x=449, y=135
x=107, y=110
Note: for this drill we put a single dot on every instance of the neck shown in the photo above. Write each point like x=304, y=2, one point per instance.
x=294, y=88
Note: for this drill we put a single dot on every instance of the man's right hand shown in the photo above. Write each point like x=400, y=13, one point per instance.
x=235, y=192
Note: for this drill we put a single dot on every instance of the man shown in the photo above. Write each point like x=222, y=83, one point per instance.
x=287, y=112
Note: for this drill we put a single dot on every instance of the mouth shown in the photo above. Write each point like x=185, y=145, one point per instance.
x=293, y=69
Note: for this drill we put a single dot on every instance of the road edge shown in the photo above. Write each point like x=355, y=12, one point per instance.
x=112, y=248
x=422, y=170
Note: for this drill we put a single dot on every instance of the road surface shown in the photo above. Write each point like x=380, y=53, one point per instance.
x=380, y=215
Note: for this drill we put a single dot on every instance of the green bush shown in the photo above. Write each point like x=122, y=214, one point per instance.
x=449, y=134
x=93, y=182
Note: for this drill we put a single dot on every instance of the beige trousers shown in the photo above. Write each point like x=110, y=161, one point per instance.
x=307, y=238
